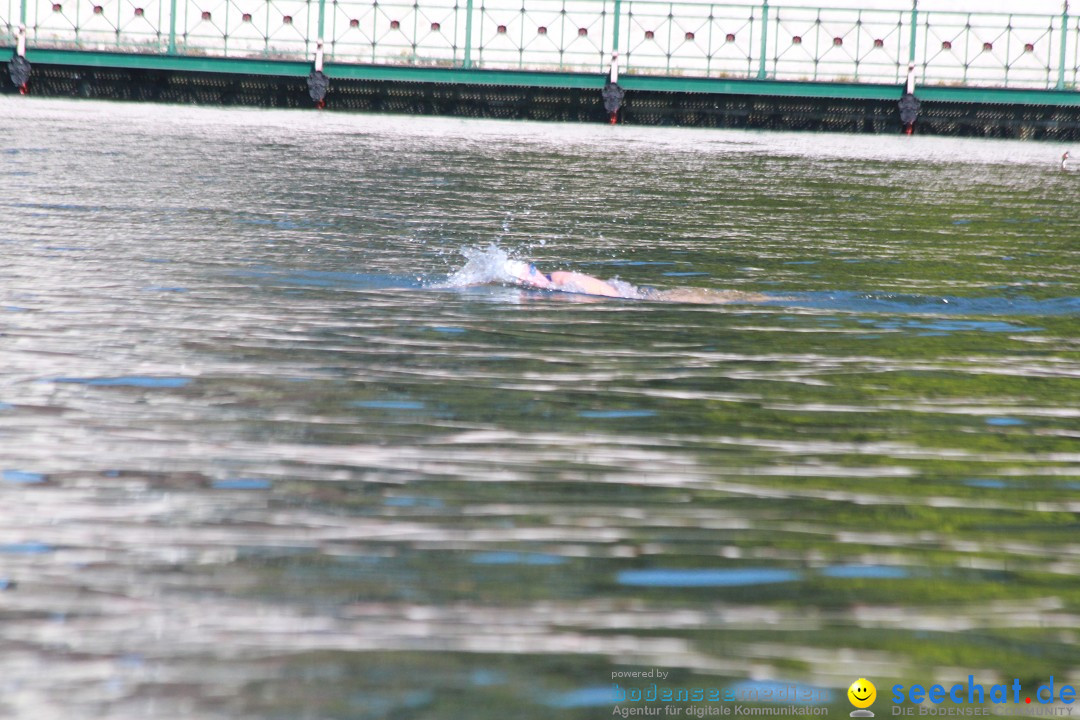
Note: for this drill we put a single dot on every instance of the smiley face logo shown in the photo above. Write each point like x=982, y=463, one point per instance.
x=862, y=693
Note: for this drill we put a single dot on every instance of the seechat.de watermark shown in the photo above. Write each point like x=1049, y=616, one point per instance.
x=961, y=699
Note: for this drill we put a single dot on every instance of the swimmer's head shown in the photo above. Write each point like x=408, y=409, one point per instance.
x=525, y=273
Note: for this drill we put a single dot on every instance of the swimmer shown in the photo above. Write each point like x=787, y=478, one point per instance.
x=526, y=275
x=564, y=281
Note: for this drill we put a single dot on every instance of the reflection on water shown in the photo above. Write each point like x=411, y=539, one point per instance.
x=276, y=440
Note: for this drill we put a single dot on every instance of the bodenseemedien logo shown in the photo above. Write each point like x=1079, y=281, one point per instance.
x=862, y=695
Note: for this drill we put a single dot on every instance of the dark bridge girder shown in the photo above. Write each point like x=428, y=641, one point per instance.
x=638, y=106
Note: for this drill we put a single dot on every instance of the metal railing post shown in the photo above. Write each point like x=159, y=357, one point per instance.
x=914, y=31
x=467, y=60
x=21, y=31
x=1064, y=43
x=615, y=31
x=172, y=27
x=614, y=69
x=322, y=18
x=319, y=44
x=764, y=38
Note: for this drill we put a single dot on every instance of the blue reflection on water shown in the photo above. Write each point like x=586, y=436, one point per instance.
x=482, y=677
x=611, y=414
x=987, y=483
x=22, y=477
x=329, y=279
x=874, y=572
x=388, y=404
x=30, y=547
x=142, y=381
x=411, y=501
x=941, y=305
x=706, y=577
x=502, y=557
x=242, y=484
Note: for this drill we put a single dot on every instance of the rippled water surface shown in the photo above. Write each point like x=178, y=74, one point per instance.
x=275, y=441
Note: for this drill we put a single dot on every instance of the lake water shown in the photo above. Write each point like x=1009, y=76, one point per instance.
x=275, y=441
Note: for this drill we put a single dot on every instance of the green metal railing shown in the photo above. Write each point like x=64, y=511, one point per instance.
x=754, y=40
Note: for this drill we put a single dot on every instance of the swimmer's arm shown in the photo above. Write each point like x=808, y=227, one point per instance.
x=582, y=283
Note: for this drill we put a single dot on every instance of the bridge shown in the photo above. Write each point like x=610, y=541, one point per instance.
x=683, y=62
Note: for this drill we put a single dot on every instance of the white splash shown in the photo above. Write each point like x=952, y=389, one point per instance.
x=483, y=266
